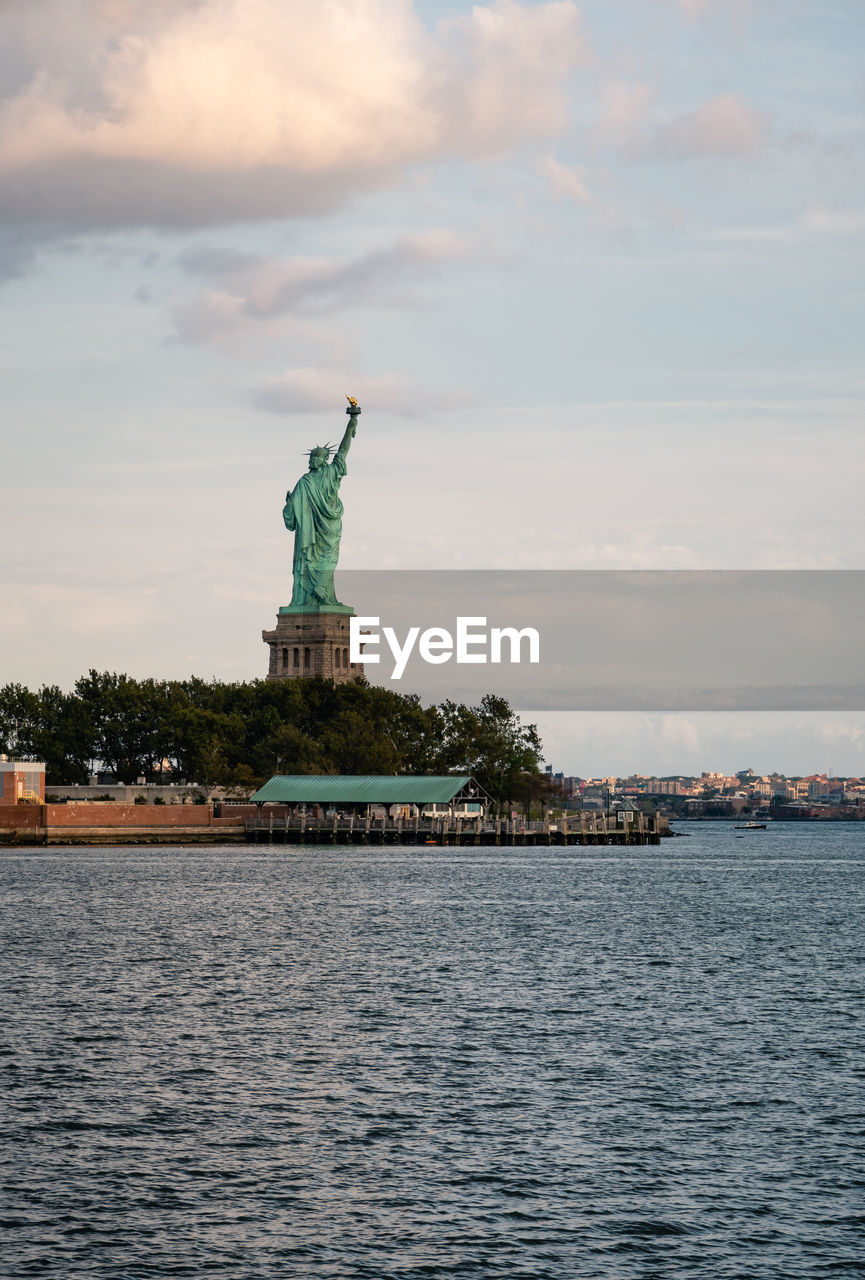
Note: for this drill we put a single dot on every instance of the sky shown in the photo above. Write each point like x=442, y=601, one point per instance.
x=593, y=271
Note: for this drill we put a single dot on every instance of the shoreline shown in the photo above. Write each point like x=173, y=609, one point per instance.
x=41, y=836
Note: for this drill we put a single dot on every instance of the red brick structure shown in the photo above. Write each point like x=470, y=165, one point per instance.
x=21, y=781
x=106, y=823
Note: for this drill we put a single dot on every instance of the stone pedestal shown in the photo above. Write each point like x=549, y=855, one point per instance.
x=314, y=643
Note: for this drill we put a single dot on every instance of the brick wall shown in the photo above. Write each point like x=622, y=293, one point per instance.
x=20, y=817
x=132, y=815
x=114, y=815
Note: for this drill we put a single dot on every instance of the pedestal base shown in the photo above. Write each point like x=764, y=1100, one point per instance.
x=309, y=644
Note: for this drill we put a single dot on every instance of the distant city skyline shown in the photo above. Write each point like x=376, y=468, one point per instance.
x=808, y=786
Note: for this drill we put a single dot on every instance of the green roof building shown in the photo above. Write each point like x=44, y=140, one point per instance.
x=366, y=789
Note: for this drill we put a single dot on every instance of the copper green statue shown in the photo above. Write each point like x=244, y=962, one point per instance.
x=313, y=512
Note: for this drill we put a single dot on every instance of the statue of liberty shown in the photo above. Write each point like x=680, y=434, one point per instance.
x=313, y=512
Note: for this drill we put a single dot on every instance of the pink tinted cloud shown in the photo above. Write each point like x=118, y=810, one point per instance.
x=624, y=112
x=724, y=125
x=125, y=113
x=248, y=293
x=566, y=181
x=629, y=120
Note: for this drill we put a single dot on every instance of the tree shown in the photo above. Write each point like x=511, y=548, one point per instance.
x=65, y=738
x=212, y=768
x=19, y=720
x=288, y=750
x=124, y=722
x=530, y=788
x=490, y=742
x=237, y=734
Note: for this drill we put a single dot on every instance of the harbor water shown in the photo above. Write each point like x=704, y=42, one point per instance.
x=548, y=1064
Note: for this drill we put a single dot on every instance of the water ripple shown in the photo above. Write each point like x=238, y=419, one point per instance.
x=348, y=1063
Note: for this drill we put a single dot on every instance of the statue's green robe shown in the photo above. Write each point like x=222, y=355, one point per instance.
x=313, y=511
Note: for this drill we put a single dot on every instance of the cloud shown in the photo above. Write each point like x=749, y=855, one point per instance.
x=251, y=291
x=826, y=221
x=87, y=611
x=844, y=733
x=566, y=182
x=217, y=260
x=724, y=125
x=19, y=249
x=815, y=223
x=185, y=114
x=624, y=110
x=678, y=731
x=316, y=389
x=692, y=8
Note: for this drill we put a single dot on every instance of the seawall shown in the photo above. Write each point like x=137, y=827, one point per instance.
x=107, y=823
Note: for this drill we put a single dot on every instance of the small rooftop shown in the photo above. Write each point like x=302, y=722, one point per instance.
x=367, y=789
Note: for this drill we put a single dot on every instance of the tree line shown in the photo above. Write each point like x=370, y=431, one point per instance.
x=237, y=735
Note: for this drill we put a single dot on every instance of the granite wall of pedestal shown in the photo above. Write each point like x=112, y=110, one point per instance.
x=303, y=645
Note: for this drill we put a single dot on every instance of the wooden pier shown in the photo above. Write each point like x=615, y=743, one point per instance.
x=576, y=829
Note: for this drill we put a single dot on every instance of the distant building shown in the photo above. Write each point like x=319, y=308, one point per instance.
x=21, y=781
x=569, y=786
x=667, y=787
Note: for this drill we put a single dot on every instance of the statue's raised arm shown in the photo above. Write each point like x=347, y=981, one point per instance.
x=353, y=410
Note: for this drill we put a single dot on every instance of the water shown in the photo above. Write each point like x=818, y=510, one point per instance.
x=531, y=1064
